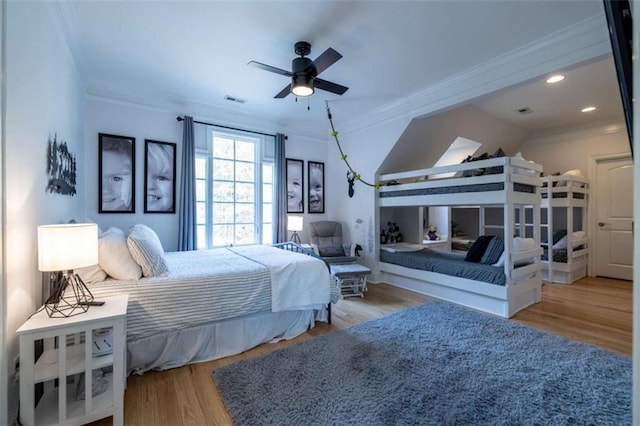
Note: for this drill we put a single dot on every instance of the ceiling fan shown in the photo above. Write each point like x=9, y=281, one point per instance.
x=304, y=72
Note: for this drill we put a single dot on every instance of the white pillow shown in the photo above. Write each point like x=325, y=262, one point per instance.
x=147, y=251
x=91, y=274
x=115, y=257
x=521, y=244
x=500, y=261
x=561, y=244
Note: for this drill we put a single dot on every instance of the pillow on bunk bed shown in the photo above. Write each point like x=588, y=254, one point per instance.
x=519, y=244
x=478, y=248
x=146, y=249
x=563, y=242
x=493, y=252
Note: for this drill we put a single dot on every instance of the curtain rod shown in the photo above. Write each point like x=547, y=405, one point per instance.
x=179, y=118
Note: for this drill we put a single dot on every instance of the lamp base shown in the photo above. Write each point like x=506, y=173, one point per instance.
x=295, y=238
x=70, y=297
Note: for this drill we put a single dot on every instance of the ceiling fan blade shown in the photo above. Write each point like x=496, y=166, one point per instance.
x=269, y=68
x=284, y=92
x=326, y=59
x=328, y=86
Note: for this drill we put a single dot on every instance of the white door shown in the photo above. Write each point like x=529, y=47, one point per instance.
x=614, y=219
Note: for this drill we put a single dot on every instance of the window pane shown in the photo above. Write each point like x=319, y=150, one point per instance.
x=267, y=213
x=267, y=172
x=245, y=151
x=245, y=193
x=201, y=236
x=222, y=213
x=222, y=235
x=245, y=213
x=245, y=172
x=222, y=191
x=223, y=148
x=267, y=193
x=201, y=168
x=245, y=234
x=267, y=234
x=201, y=191
x=222, y=169
x=201, y=213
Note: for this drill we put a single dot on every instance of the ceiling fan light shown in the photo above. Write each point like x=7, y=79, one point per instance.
x=302, y=86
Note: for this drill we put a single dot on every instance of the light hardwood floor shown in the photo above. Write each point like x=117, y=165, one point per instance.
x=593, y=310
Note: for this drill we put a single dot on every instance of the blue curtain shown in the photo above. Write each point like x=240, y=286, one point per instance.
x=280, y=225
x=187, y=207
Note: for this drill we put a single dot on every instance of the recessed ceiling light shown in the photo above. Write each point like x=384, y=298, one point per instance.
x=588, y=109
x=555, y=78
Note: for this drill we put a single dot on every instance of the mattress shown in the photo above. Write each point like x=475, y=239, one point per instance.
x=458, y=189
x=559, y=255
x=446, y=263
x=205, y=286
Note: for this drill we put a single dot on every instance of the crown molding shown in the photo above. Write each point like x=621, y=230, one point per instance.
x=580, y=42
x=600, y=128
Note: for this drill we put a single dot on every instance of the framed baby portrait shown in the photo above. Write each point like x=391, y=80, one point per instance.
x=295, y=185
x=315, y=191
x=116, y=174
x=159, y=177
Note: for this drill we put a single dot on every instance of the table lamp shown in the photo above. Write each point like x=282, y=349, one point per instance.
x=295, y=224
x=63, y=248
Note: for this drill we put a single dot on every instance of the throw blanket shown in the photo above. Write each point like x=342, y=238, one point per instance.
x=212, y=285
x=298, y=281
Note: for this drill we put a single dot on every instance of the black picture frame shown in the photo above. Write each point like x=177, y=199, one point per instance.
x=116, y=174
x=295, y=186
x=159, y=177
x=315, y=188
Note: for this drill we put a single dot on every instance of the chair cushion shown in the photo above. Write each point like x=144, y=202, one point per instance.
x=331, y=250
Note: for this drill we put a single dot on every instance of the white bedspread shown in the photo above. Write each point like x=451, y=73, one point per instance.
x=204, y=286
x=298, y=281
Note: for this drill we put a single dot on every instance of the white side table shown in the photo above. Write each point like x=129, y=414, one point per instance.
x=58, y=404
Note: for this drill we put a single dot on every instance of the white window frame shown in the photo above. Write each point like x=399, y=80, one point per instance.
x=260, y=159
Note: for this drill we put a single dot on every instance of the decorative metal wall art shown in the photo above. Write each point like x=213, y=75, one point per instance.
x=61, y=168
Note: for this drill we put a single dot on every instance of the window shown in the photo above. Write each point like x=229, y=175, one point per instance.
x=234, y=192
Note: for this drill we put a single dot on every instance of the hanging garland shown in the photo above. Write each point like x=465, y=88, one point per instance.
x=352, y=176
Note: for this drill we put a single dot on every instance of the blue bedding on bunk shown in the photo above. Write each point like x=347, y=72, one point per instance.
x=446, y=263
x=457, y=189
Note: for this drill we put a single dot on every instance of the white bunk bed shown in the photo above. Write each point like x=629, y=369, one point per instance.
x=506, y=182
x=566, y=192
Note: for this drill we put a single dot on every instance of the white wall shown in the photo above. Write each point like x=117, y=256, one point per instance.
x=365, y=150
x=308, y=149
x=572, y=149
x=44, y=97
x=124, y=119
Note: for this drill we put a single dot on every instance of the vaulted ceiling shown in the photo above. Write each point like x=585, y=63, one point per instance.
x=189, y=55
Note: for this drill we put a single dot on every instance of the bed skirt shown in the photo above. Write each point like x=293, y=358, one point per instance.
x=217, y=340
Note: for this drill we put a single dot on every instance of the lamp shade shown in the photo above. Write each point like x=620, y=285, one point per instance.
x=294, y=223
x=302, y=86
x=68, y=246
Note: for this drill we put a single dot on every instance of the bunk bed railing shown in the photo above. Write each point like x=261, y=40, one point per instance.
x=434, y=174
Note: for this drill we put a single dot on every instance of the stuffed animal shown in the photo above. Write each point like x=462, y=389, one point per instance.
x=432, y=233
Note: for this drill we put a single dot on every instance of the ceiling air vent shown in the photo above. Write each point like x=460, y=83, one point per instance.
x=233, y=99
x=526, y=110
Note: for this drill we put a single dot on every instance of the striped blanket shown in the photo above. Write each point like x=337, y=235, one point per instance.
x=212, y=285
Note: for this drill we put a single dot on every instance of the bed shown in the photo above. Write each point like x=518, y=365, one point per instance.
x=564, y=207
x=220, y=302
x=509, y=183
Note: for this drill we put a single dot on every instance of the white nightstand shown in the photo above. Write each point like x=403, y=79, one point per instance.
x=62, y=363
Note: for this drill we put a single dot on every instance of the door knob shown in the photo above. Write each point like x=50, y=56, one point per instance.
x=601, y=224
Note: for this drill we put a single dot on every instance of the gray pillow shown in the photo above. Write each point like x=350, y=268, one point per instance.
x=146, y=249
x=331, y=251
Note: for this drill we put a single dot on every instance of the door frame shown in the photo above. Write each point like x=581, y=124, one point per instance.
x=592, y=203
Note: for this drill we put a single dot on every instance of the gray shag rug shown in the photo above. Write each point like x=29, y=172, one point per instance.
x=436, y=363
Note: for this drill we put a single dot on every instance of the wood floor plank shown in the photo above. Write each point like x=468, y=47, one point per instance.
x=592, y=310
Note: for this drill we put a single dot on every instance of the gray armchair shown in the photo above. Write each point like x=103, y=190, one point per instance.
x=325, y=238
